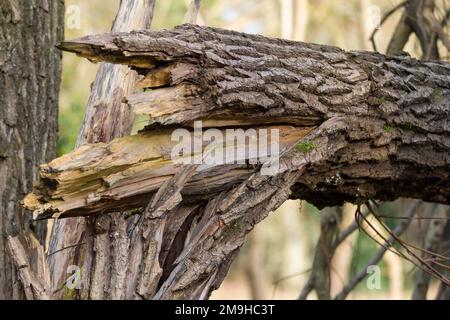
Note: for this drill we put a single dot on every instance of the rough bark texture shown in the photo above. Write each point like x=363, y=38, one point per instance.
x=30, y=68
x=356, y=125
x=394, y=110
x=88, y=241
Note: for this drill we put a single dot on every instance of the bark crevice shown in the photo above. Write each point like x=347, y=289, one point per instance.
x=355, y=126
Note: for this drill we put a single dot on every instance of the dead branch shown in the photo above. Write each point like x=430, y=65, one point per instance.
x=353, y=125
x=401, y=227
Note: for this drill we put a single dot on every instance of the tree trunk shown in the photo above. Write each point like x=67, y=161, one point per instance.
x=433, y=241
x=84, y=242
x=352, y=126
x=30, y=69
x=384, y=109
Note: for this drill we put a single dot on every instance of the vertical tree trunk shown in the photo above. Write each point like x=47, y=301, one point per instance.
x=30, y=68
x=255, y=270
x=88, y=240
x=342, y=257
x=301, y=19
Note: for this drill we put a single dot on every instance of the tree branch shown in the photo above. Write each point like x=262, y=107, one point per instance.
x=401, y=227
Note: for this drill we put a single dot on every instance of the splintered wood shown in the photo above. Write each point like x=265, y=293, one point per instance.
x=357, y=124
x=99, y=178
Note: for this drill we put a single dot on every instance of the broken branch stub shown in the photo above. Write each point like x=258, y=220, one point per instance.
x=359, y=124
x=123, y=174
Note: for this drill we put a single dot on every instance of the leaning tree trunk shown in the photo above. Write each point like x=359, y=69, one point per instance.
x=352, y=126
x=30, y=69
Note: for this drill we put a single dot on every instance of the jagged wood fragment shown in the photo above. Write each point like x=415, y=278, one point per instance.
x=106, y=118
x=396, y=108
x=29, y=259
x=379, y=130
x=101, y=177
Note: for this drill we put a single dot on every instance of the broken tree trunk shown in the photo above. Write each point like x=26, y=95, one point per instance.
x=394, y=111
x=352, y=126
x=75, y=242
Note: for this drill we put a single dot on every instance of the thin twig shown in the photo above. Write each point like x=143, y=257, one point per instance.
x=414, y=218
x=423, y=265
x=348, y=231
x=68, y=247
x=279, y=280
x=378, y=256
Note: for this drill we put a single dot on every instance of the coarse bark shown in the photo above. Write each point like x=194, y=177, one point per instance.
x=394, y=110
x=85, y=243
x=355, y=125
x=403, y=224
x=30, y=69
x=432, y=244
